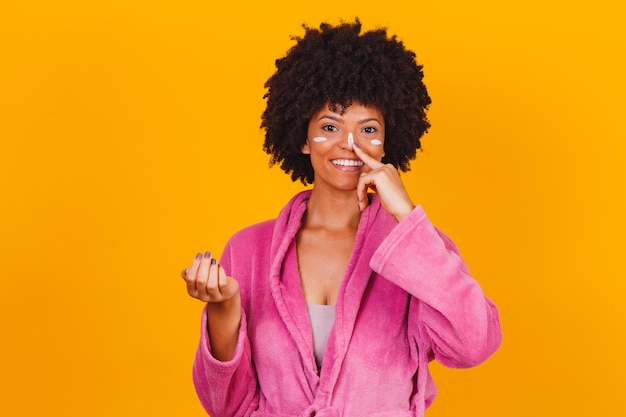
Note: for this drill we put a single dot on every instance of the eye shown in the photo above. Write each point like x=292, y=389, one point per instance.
x=370, y=129
x=329, y=128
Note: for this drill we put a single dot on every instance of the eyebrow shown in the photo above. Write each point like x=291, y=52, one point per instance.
x=370, y=119
x=339, y=119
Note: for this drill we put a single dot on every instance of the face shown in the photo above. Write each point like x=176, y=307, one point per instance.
x=329, y=142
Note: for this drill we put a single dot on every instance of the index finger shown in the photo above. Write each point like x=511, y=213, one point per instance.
x=368, y=160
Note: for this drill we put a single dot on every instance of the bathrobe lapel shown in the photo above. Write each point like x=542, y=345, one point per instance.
x=286, y=288
x=287, y=293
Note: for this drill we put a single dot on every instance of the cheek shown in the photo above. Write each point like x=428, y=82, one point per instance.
x=375, y=148
x=320, y=145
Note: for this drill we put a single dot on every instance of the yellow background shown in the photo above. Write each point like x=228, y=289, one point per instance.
x=130, y=141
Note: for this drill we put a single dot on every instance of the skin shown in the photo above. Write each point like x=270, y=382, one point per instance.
x=326, y=239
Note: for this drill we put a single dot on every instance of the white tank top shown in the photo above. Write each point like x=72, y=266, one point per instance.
x=322, y=318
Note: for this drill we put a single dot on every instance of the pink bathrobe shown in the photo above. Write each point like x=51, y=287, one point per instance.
x=406, y=298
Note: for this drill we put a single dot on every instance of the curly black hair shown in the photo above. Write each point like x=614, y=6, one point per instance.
x=340, y=65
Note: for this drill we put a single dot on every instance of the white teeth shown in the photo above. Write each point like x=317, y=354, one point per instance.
x=347, y=162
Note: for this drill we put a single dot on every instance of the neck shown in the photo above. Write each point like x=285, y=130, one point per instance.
x=332, y=211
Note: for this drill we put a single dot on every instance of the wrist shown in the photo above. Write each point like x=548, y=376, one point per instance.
x=225, y=307
x=405, y=211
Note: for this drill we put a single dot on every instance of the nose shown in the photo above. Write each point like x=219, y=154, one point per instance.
x=349, y=144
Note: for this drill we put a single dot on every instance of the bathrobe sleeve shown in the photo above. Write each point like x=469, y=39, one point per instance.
x=226, y=389
x=462, y=324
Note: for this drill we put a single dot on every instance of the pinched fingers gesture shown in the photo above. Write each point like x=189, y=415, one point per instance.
x=207, y=281
x=385, y=180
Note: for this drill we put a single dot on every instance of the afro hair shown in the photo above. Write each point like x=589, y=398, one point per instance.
x=340, y=65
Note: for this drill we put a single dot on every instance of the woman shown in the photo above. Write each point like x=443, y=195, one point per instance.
x=336, y=307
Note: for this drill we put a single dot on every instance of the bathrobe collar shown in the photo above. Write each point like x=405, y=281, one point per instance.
x=287, y=292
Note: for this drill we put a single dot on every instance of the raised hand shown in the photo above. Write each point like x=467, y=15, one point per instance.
x=207, y=281
x=385, y=180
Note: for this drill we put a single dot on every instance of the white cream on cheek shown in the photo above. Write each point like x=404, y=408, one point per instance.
x=375, y=142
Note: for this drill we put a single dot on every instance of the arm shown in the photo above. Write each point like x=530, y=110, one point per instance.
x=462, y=323
x=222, y=372
x=225, y=388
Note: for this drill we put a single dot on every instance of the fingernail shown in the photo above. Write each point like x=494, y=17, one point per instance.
x=207, y=254
x=356, y=145
x=213, y=261
x=198, y=256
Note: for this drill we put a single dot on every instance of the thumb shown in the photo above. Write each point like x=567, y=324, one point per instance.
x=229, y=286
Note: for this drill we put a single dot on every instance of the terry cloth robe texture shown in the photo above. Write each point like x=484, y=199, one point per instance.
x=406, y=298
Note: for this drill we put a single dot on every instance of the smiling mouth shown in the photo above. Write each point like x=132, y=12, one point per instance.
x=347, y=162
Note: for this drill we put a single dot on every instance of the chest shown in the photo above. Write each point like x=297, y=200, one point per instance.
x=322, y=264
